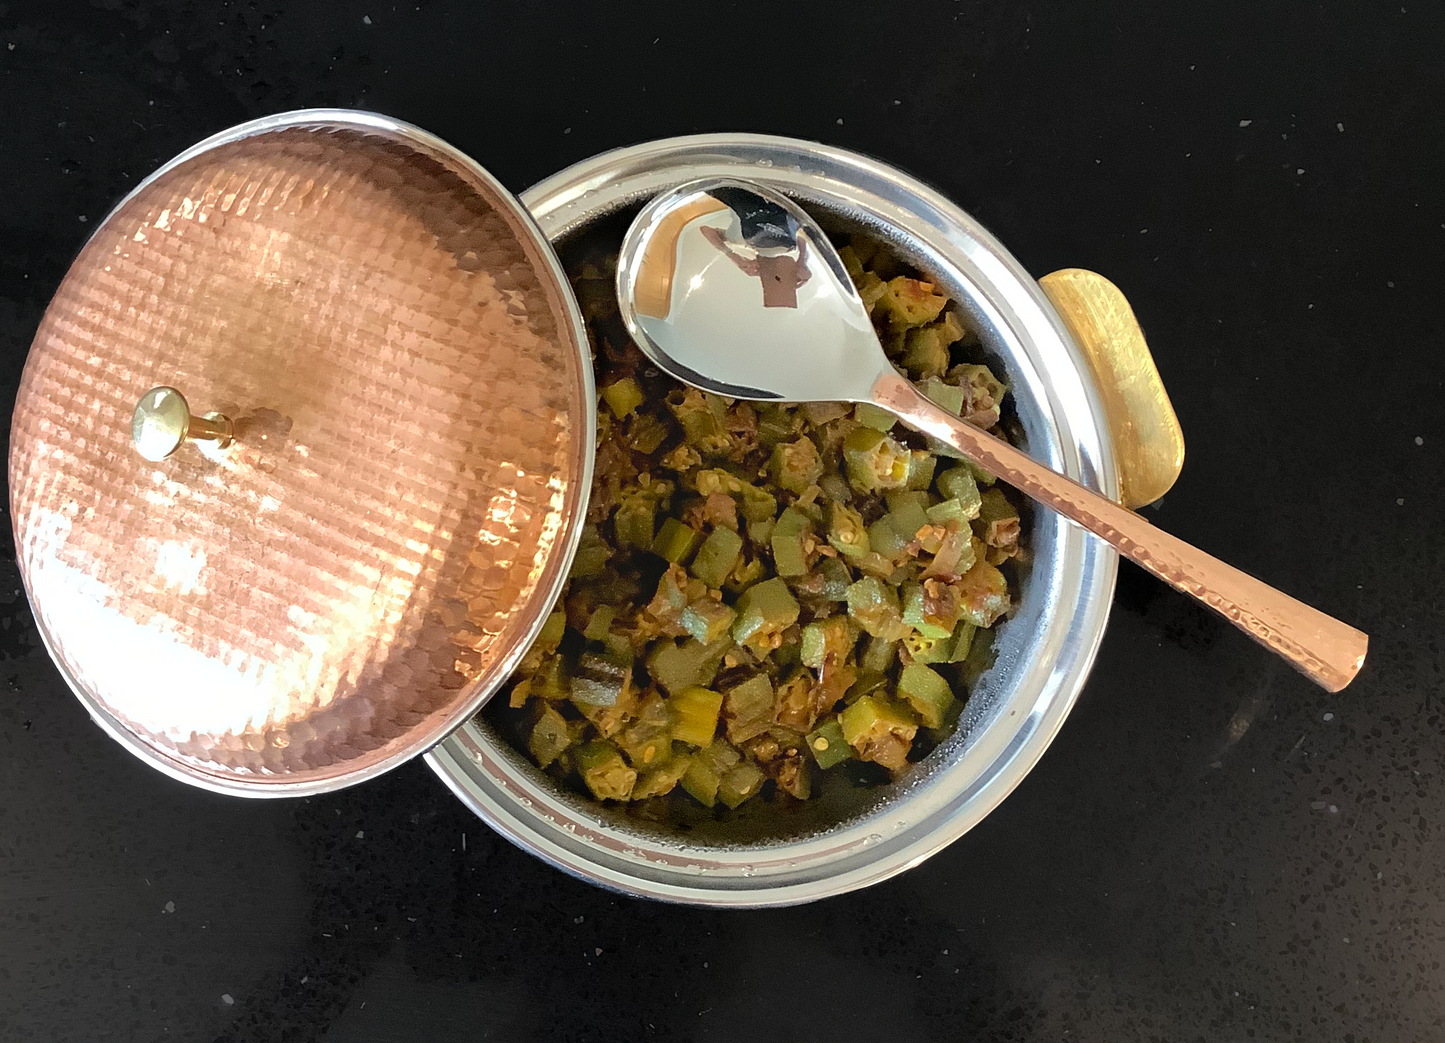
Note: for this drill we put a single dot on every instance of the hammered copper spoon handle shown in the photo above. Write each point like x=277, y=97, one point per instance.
x=1321, y=647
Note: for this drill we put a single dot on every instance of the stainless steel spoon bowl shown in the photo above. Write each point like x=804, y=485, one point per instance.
x=731, y=287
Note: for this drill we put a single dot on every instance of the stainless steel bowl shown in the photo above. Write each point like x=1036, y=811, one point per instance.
x=848, y=837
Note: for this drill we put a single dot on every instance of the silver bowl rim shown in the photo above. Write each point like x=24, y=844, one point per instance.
x=516, y=800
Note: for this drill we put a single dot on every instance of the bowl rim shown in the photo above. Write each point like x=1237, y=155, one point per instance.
x=503, y=789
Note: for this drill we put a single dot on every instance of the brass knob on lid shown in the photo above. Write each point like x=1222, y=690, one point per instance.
x=163, y=421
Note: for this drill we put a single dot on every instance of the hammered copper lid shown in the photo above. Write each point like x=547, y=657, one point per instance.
x=405, y=377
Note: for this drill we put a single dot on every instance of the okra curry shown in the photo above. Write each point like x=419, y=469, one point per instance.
x=767, y=592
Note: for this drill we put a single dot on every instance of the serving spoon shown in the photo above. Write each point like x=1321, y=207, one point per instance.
x=730, y=287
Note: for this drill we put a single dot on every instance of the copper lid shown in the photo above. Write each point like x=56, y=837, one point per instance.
x=341, y=564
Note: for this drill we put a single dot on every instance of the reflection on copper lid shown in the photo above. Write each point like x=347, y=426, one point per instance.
x=342, y=584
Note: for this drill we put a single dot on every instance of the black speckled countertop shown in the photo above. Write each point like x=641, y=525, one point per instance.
x=1212, y=850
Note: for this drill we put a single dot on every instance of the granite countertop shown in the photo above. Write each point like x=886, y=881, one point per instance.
x=1211, y=850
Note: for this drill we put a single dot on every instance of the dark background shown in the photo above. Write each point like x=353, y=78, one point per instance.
x=1212, y=850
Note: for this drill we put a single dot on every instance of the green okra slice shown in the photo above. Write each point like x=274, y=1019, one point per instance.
x=827, y=745
x=676, y=542
x=717, y=557
x=604, y=772
x=927, y=692
x=764, y=609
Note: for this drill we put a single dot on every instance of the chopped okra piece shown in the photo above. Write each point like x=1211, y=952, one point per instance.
x=795, y=775
x=747, y=572
x=875, y=460
x=786, y=656
x=553, y=680
x=601, y=678
x=706, y=771
x=921, y=465
x=521, y=692
x=836, y=579
x=924, y=649
x=700, y=781
x=955, y=554
x=635, y=520
x=607, y=721
x=980, y=475
x=692, y=663
x=866, y=683
x=874, y=605
x=647, y=741
x=999, y=520
x=757, y=504
x=925, y=355
x=885, y=539
x=765, y=609
x=791, y=537
x=753, y=503
x=878, y=654
x=717, y=557
x=795, y=705
x=846, y=532
x=927, y=692
x=748, y=708
x=930, y=537
x=776, y=424
x=983, y=594
x=880, y=730
x=707, y=620
x=836, y=488
x=550, y=736
x=701, y=417
x=743, y=780
x=647, y=433
x=761, y=532
x=827, y=745
x=674, y=592
x=915, y=615
x=820, y=413
x=952, y=510
x=600, y=625
x=676, y=542
x=911, y=302
x=833, y=636
x=695, y=711
x=876, y=417
x=959, y=483
x=908, y=519
x=604, y=772
x=931, y=606
x=983, y=393
x=658, y=781
x=548, y=638
x=875, y=564
x=592, y=554
x=949, y=396
x=795, y=465
x=871, y=290
x=951, y=328
x=961, y=642
x=851, y=263
x=622, y=396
